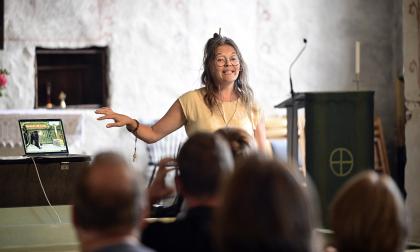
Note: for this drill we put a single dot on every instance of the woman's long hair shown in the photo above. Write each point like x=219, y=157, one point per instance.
x=242, y=88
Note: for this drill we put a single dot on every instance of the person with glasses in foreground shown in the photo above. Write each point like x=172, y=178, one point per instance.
x=225, y=100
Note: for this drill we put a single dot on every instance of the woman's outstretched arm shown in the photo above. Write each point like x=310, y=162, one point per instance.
x=171, y=121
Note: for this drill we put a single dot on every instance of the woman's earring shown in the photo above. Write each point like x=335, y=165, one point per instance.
x=238, y=83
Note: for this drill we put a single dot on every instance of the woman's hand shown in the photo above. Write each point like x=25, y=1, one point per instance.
x=119, y=119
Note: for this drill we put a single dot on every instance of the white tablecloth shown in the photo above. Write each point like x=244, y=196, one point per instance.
x=84, y=133
x=9, y=127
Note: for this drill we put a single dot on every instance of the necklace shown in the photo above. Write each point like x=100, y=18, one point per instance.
x=222, y=113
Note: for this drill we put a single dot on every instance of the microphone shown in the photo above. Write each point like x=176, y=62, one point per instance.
x=291, y=65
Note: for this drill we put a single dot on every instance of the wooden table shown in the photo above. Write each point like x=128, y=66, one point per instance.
x=20, y=186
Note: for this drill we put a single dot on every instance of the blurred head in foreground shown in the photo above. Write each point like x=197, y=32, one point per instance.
x=368, y=214
x=265, y=209
x=108, y=202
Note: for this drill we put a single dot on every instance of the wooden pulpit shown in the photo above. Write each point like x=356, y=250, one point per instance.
x=338, y=138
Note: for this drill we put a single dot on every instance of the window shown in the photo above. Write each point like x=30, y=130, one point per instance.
x=81, y=74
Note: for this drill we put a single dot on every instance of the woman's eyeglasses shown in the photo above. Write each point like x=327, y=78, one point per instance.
x=223, y=61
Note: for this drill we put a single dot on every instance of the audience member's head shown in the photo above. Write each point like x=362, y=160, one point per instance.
x=108, y=200
x=368, y=214
x=241, y=143
x=264, y=208
x=203, y=161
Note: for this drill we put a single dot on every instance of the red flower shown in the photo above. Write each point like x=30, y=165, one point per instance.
x=3, y=80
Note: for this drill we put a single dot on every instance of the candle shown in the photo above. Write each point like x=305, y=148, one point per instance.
x=357, y=57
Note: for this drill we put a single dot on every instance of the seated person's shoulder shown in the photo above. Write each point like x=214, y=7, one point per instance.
x=162, y=236
x=125, y=248
x=158, y=229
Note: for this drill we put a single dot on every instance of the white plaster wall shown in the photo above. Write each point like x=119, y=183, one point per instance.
x=156, y=48
x=411, y=33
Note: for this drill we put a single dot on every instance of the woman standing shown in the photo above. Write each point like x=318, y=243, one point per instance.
x=225, y=100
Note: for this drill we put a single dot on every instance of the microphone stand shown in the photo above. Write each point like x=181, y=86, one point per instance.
x=294, y=159
x=292, y=64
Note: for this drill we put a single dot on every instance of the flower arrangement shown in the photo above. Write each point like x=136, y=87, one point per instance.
x=3, y=80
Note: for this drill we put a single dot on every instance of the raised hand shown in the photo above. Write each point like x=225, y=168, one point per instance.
x=119, y=119
x=158, y=189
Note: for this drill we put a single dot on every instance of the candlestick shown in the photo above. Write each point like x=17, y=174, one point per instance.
x=357, y=81
x=49, y=103
x=357, y=58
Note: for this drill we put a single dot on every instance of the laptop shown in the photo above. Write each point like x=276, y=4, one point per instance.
x=44, y=138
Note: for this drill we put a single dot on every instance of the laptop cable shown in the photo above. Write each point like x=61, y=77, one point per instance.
x=45, y=194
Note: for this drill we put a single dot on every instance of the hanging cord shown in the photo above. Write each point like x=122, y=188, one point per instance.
x=135, y=139
x=135, y=149
x=45, y=194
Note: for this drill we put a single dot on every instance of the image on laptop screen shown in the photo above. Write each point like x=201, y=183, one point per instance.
x=43, y=136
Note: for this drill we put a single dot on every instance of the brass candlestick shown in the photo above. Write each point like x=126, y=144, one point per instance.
x=357, y=81
x=49, y=103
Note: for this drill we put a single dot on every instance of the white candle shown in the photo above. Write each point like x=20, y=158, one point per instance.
x=357, y=57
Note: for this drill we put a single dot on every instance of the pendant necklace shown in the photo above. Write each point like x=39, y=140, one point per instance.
x=222, y=113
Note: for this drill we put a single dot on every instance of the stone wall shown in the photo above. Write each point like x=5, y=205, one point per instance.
x=411, y=18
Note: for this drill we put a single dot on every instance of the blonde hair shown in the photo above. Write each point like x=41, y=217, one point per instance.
x=241, y=143
x=368, y=214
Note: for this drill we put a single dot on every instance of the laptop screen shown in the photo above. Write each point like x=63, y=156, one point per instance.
x=43, y=136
